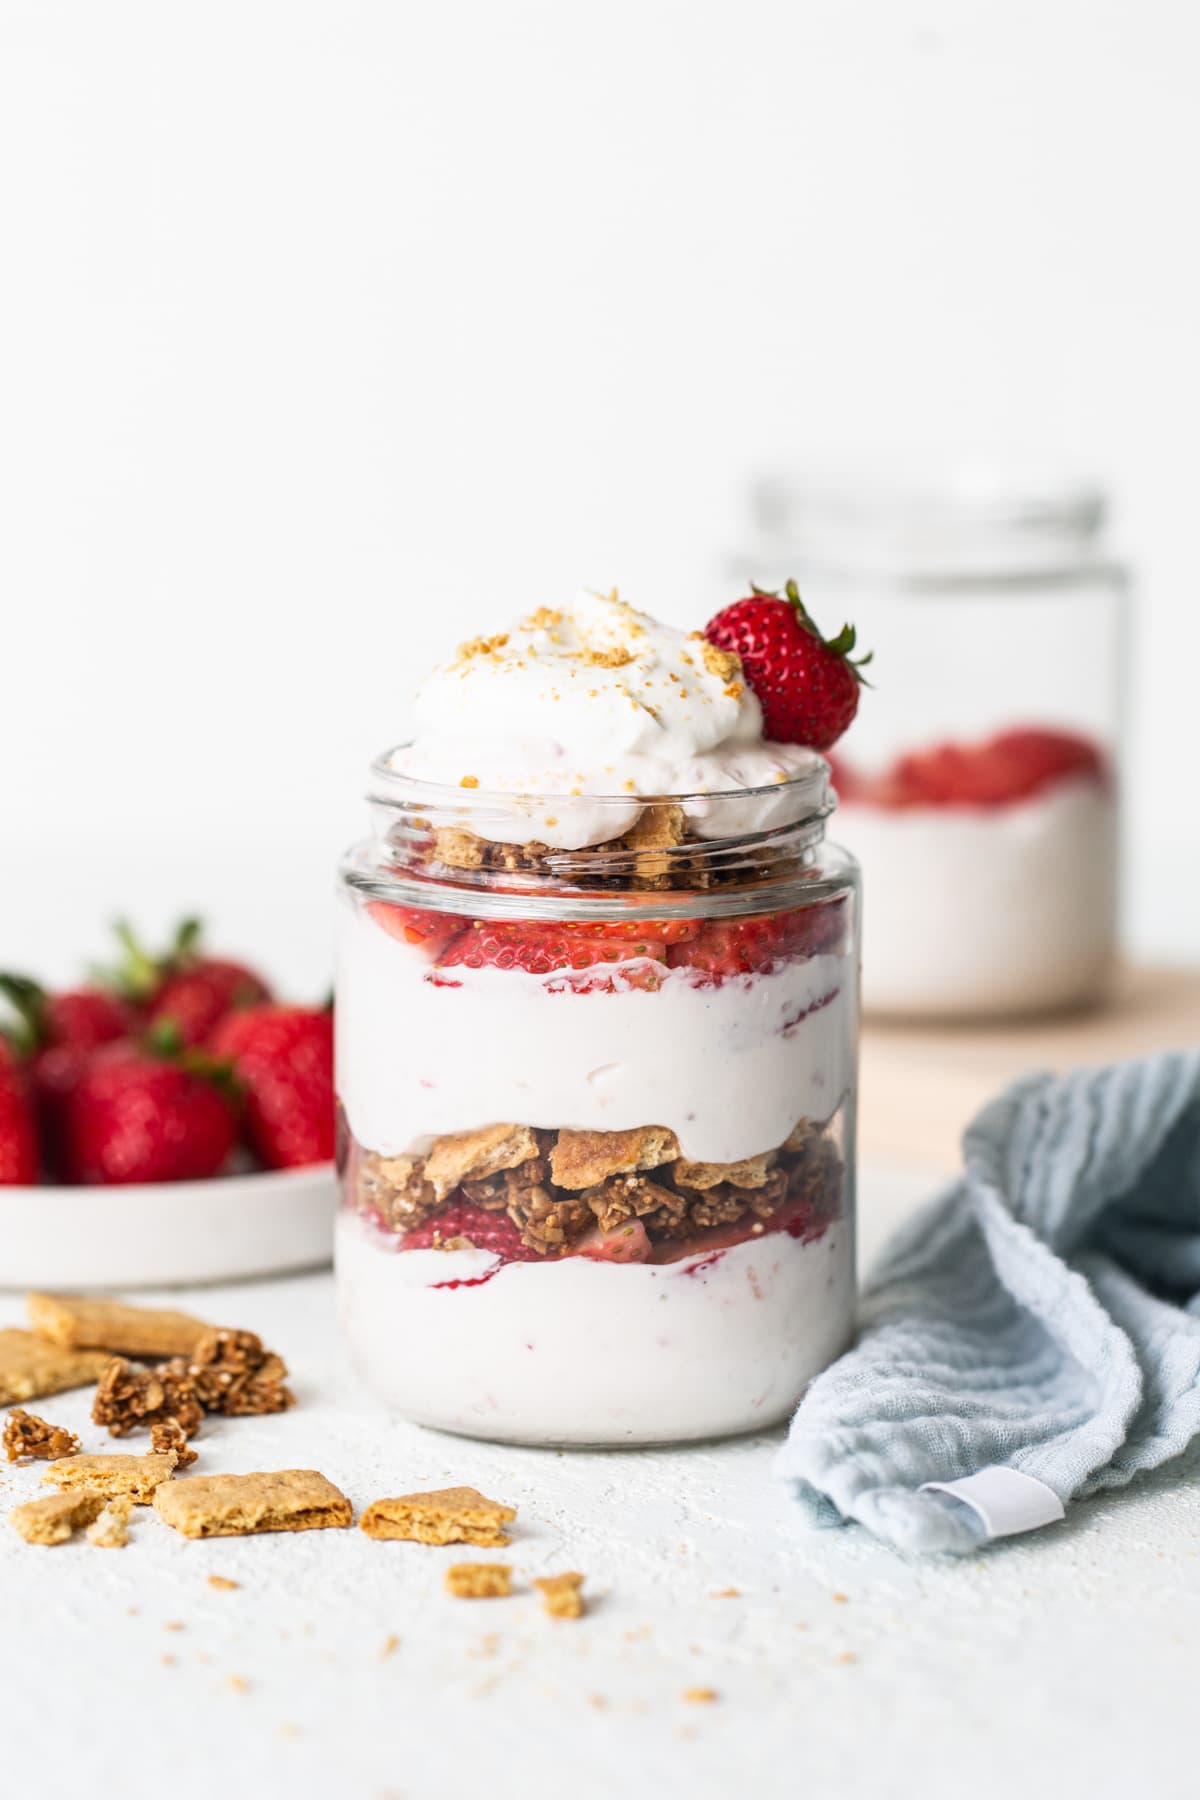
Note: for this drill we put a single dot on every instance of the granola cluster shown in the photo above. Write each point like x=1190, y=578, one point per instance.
x=557, y=1185
x=27, y=1436
x=228, y=1372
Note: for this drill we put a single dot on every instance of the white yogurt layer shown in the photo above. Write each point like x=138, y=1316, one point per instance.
x=579, y=1352
x=992, y=910
x=729, y=1067
x=597, y=699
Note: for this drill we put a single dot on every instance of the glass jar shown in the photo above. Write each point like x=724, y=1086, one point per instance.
x=978, y=785
x=598, y=1109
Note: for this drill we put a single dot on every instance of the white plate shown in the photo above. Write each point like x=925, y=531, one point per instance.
x=167, y=1234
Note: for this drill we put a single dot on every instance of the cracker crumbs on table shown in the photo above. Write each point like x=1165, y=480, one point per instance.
x=562, y=1595
x=700, y=1696
x=847, y=1656
x=390, y=1644
x=239, y=1684
x=840, y=1599
x=56, y=1518
x=223, y=1583
x=457, y=1515
x=138, y=1476
x=31, y=1368
x=726, y=1594
x=26, y=1437
x=479, y=1581
x=110, y=1529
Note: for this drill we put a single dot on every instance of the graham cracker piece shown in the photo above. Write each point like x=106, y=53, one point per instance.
x=111, y=1528
x=239, y=1505
x=657, y=828
x=457, y=1515
x=479, y=1581
x=110, y=1476
x=54, y=1518
x=79, y=1324
x=458, y=849
x=30, y=1367
x=801, y=1135
x=562, y=1595
x=750, y=1172
x=476, y=1154
x=583, y=1159
x=25, y=1435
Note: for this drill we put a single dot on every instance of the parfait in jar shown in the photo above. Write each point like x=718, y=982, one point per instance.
x=596, y=1045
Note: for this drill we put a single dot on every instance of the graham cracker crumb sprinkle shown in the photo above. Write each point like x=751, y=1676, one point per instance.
x=841, y=1599
x=223, y=1583
x=239, y=1684
x=27, y=1436
x=391, y=1643
x=730, y=1593
x=479, y=1581
x=562, y=1595
x=469, y=781
x=700, y=1696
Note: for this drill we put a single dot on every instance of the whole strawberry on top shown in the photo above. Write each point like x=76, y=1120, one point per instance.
x=807, y=685
x=192, y=991
x=282, y=1060
x=147, y=1112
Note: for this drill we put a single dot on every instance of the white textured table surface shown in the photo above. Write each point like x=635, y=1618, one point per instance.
x=1063, y=1664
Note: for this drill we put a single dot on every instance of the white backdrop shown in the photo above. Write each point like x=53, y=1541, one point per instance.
x=331, y=329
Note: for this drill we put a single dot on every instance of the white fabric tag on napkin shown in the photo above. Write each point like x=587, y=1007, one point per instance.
x=1007, y=1501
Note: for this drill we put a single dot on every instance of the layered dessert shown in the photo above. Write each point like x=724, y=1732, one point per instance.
x=994, y=870
x=596, y=1046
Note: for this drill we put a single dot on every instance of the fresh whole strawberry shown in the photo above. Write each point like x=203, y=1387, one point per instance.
x=192, y=991
x=282, y=1059
x=999, y=771
x=18, y=1129
x=59, y=1034
x=136, y=1115
x=807, y=685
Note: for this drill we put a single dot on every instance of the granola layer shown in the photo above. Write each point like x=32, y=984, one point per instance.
x=558, y=1186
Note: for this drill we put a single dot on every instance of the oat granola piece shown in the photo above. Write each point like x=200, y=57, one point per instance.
x=583, y=1159
x=142, y=1331
x=53, y=1519
x=750, y=1172
x=548, y=1221
x=169, y=1434
x=479, y=1581
x=110, y=1530
x=458, y=1515
x=562, y=1595
x=129, y=1399
x=661, y=1209
x=233, y=1374
x=110, y=1476
x=477, y=1154
x=205, y=1506
x=31, y=1367
x=25, y=1435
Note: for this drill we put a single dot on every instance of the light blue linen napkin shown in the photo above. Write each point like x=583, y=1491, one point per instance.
x=1042, y=1316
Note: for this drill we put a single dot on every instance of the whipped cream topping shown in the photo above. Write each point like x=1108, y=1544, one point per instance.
x=595, y=699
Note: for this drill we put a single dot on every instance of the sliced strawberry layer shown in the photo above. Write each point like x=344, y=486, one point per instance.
x=544, y=947
x=1002, y=770
x=490, y=1231
x=746, y=946
x=627, y=1243
x=427, y=931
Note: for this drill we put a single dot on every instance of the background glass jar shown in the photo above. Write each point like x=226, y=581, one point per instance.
x=978, y=786
x=598, y=1108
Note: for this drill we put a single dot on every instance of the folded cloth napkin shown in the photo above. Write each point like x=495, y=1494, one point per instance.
x=1042, y=1316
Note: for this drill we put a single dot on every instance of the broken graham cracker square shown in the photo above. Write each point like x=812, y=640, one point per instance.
x=458, y=1515
x=238, y=1505
x=25, y=1435
x=139, y=1477
x=56, y=1517
x=562, y=1595
x=583, y=1159
x=80, y=1324
x=479, y=1581
x=463, y=1155
x=30, y=1367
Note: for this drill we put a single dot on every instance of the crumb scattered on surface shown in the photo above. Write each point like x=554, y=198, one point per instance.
x=223, y=1583
x=840, y=1598
x=457, y=1515
x=700, y=1696
x=26, y=1436
x=847, y=1656
x=479, y=1581
x=562, y=1595
x=174, y=1625
x=391, y=1643
x=239, y=1684
x=729, y=1593
x=110, y=1529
